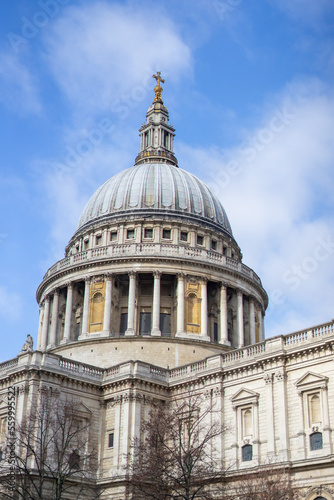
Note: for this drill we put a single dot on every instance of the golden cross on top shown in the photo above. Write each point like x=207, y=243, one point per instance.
x=158, y=89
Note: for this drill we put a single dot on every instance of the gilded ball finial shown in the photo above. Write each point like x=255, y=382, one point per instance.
x=158, y=89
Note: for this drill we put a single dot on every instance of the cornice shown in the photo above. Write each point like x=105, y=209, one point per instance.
x=203, y=265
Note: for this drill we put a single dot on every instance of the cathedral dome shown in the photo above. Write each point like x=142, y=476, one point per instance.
x=155, y=188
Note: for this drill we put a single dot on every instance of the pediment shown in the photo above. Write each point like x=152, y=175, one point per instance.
x=3, y=404
x=244, y=396
x=82, y=411
x=311, y=381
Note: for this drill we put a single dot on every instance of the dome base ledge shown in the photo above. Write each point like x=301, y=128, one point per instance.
x=193, y=336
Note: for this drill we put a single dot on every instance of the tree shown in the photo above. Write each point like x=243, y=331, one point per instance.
x=176, y=457
x=268, y=481
x=50, y=453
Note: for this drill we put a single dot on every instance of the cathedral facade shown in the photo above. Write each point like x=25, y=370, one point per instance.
x=151, y=301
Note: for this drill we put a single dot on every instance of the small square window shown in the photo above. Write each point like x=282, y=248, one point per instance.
x=184, y=236
x=224, y=250
x=130, y=234
x=200, y=240
x=166, y=234
x=113, y=236
x=214, y=245
x=148, y=232
x=98, y=239
x=111, y=440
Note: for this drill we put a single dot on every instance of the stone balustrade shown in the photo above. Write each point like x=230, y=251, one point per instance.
x=152, y=249
x=281, y=343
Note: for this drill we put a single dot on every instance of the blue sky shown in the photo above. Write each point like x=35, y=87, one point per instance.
x=249, y=88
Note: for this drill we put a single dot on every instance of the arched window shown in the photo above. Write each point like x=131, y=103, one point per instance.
x=316, y=441
x=247, y=453
x=97, y=312
x=314, y=409
x=247, y=423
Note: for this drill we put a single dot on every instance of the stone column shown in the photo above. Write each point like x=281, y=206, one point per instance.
x=204, y=309
x=268, y=378
x=240, y=319
x=223, y=339
x=45, y=327
x=53, y=330
x=107, y=305
x=85, y=312
x=68, y=313
x=180, y=305
x=261, y=325
x=40, y=326
x=131, y=303
x=156, y=304
x=252, y=320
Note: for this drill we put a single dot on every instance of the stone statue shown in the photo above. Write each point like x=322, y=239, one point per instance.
x=28, y=345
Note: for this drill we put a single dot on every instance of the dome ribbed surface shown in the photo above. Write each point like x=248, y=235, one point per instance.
x=157, y=187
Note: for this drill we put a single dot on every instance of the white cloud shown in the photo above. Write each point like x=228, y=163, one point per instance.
x=277, y=190
x=101, y=53
x=18, y=88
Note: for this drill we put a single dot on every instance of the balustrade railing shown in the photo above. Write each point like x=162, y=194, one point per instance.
x=150, y=249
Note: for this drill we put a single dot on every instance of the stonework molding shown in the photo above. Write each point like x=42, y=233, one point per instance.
x=268, y=378
x=280, y=375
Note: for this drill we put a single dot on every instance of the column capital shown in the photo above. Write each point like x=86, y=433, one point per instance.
x=88, y=279
x=56, y=291
x=69, y=284
x=181, y=276
x=223, y=284
x=239, y=291
x=46, y=299
x=132, y=274
x=203, y=280
x=157, y=274
x=108, y=276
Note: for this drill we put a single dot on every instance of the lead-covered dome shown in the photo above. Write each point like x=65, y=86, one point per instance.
x=158, y=188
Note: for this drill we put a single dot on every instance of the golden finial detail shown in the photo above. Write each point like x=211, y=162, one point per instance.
x=158, y=89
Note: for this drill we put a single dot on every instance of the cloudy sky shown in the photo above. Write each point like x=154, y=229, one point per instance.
x=249, y=88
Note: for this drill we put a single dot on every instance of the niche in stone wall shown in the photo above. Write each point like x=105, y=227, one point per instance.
x=192, y=307
x=96, y=307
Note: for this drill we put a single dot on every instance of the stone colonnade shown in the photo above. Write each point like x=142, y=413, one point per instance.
x=49, y=313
